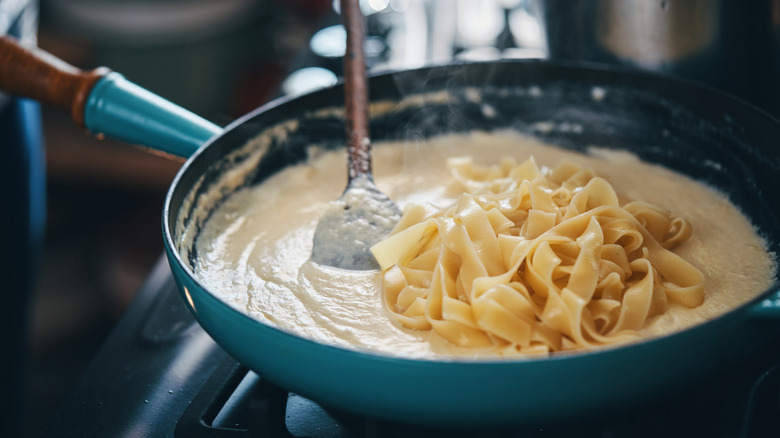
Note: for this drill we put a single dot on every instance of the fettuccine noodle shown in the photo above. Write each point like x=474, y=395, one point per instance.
x=532, y=260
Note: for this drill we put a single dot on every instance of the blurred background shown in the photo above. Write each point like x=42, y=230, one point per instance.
x=81, y=216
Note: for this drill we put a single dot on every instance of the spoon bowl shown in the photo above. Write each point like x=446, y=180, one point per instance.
x=363, y=215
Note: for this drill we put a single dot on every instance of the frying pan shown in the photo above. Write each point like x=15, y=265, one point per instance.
x=694, y=130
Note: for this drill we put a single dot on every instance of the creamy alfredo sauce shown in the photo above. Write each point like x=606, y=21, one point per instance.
x=254, y=250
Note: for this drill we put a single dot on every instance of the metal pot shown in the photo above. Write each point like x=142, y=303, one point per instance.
x=683, y=126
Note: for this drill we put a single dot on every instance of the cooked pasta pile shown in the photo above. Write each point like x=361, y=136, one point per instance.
x=533, y=260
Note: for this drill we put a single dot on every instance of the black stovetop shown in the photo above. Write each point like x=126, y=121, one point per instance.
x=159, y=374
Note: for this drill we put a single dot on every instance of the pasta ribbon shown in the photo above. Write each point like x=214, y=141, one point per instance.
x=533, y=260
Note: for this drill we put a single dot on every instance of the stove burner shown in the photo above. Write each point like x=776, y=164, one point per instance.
x=159, y=374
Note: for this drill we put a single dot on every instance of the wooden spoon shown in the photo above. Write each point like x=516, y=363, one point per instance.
x=363, y=215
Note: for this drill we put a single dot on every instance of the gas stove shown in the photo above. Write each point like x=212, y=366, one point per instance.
x=159, y=374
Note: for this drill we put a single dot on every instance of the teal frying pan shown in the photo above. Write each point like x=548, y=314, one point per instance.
x=694, y=130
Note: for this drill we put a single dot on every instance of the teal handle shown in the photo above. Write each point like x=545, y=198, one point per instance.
x=122, y=110
x=769, y=308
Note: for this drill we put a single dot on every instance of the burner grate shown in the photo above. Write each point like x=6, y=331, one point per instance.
x=236, y=402
x=762, y=417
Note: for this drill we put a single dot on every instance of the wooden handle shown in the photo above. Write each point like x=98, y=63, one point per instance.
x=36, y=74
x=356, y=92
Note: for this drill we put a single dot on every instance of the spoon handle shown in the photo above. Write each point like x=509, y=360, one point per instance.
x=34, y=73
x=356, y=92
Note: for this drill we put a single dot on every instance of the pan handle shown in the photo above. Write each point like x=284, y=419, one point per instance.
x=768, y=308
x=101, y=101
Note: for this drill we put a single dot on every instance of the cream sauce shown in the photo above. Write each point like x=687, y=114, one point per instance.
x=254, y=250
